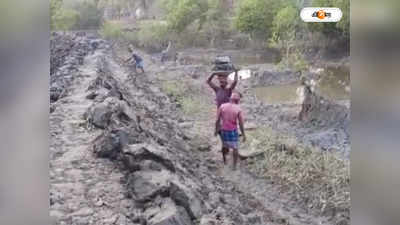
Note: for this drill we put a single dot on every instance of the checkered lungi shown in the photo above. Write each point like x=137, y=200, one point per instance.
x=230, y=138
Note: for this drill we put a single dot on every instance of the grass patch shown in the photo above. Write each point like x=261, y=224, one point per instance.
x=191, y=105
x=112, y=31
x=173, y=88
x=319, y=179
x=153, y=35
x=183, y=96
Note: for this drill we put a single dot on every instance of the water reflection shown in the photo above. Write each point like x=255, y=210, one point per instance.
x=333, y=84
x=278, y=93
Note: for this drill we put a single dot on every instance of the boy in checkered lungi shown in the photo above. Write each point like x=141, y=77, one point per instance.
x=226, y=125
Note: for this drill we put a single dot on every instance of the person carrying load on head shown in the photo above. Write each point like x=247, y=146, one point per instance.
x=138, y=60
x=228, y=115
x=222, y=69
x=224, y=91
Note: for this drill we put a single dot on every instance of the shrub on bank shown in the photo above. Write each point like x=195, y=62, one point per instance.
x=77, y=15
x=153, y=36
x=111, y=31
x=181, y=94
x=321, y=179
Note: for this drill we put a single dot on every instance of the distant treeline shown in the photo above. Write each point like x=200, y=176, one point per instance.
x=207, y=23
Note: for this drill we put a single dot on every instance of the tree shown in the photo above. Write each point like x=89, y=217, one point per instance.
x=65, y=19
x=117, y=6
x=343, y=26
x=55, y=6
x=216, y=20
x=255, y=16
x=286, y=28
x=90, y=16
x=181, y=13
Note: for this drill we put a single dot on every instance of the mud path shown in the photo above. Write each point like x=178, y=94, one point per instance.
x=84, y=189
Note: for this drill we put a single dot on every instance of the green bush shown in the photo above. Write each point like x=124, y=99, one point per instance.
x=190, y=105
x=216, y=26
x=285, y=29
x=181, y=13
x=343, y=26
x=153, y=36
x=183, y=95
x=173, y=88
x=255, y=16
x=65, y=19
x=111, y=31
x=75, y=15
x=90, y=16
x=285, y=24
x=131, y=37
x=55, y=6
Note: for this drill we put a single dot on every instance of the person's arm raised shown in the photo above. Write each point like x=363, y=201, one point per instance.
x=233, y=85
x=210, y=83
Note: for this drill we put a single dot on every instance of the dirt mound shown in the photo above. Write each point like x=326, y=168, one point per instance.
x=67, y=53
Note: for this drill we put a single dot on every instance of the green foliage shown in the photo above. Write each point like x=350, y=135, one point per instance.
x=182, y=94
x=181, y=13
x=217, y=24
x=65, y=19
x=285, y=24
x=75, y=15
x=55, y=6
x=255, y=16
x=285, y=28
x=343, y=26
x=153, y=35
x=197, y=22
x=111, y=31
x=89, y=15
x=190, y=105
x=298, y=61
x=173, y=88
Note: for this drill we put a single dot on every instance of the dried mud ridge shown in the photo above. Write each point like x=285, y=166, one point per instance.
x=118, y=156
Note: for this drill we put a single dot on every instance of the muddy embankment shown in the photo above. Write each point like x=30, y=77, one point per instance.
x=118, y=156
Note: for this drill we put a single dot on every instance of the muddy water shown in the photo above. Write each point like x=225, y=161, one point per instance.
x=332, y=85
x=277, y=94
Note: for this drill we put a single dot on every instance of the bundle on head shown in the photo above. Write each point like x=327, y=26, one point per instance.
x=223, y=65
